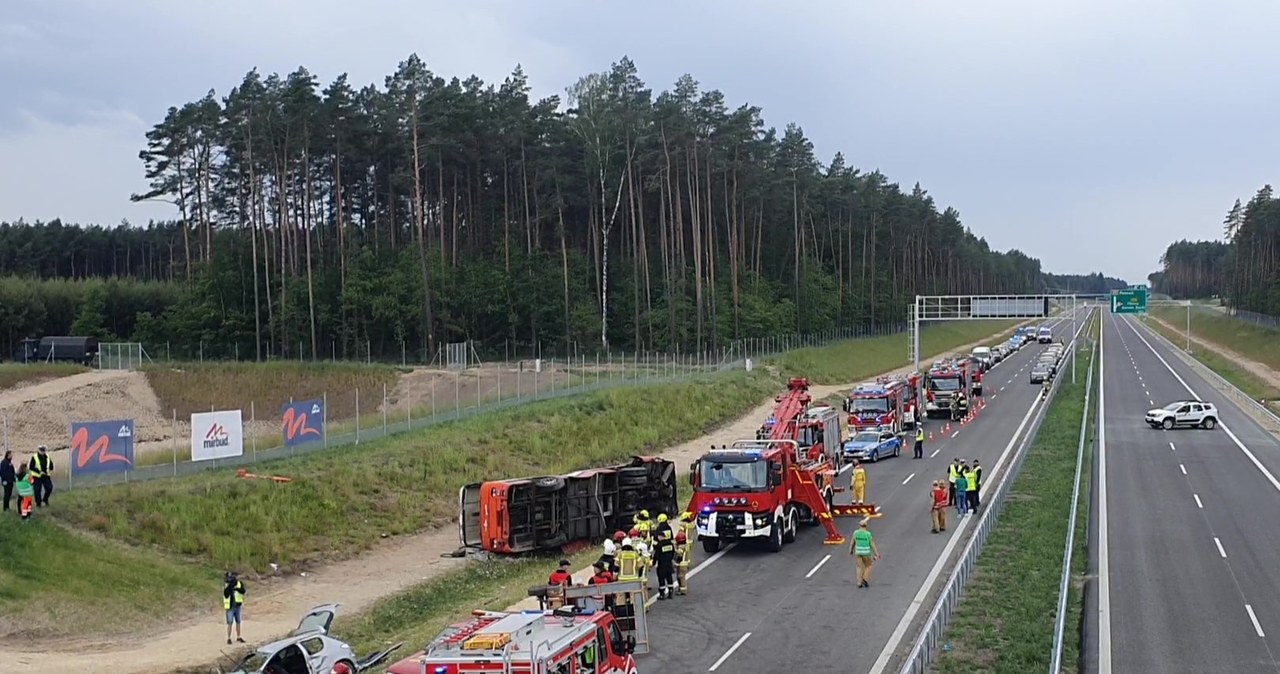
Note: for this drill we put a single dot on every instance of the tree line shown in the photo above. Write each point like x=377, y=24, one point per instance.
x=1091, y=284
x=1244, y=268
x=434, y=210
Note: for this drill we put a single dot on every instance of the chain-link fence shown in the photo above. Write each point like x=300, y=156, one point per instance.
x=1263, y=320
x=162, y=445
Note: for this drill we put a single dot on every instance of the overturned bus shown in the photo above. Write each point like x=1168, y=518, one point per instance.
x=564, y=512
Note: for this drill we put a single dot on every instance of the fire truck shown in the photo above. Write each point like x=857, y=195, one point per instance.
x=763, y=489
x=577, y=638
x=816, y=429
x=885, y=403
x=563, y=512
x=942, y=382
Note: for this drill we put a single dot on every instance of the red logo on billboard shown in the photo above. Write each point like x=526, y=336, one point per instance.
x=99, y=449
x=215, y=431
x=295, y=425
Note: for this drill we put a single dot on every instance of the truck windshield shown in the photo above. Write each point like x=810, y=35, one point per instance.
x=733, y=475
x=944, y=384
x=869, y=405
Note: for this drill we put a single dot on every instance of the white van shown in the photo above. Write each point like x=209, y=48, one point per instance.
x=982, y=354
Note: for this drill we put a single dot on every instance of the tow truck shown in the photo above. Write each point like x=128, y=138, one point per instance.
x=564, y=512
x=596, y=632
x=942, y=382
x=763, y=489
x=883, y=404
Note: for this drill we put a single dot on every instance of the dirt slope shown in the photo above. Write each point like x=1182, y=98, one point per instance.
x=274, y=609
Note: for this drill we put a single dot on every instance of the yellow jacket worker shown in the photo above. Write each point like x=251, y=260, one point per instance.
x=859, y=483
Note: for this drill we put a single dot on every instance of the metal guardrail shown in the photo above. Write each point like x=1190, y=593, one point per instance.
x=1060, y=624
x=1231, y=389
x=930, y=638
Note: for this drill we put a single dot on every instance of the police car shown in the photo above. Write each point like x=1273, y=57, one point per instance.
x=872, y=445
x=1184, y=413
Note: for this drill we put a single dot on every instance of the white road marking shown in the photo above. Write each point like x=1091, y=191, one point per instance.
x=847, y=466
x=1172, y=447
x=1199, y=504
x=1221, y=551
x=955, y=434
x=1104, y=558
x=815, y=568
x=729, y=652
x=908, y=478
x=697, y=569
x=935, y=452
x=1254, y=617
x=1002, y=387
x=1182, y=468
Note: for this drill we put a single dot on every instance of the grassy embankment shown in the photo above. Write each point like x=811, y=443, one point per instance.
x=1247, y=339
x=850, y=361
x=1005, y=621
x=17, y=374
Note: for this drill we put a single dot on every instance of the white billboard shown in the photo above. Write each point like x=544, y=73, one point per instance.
x=1009, y=307
x=216, y=435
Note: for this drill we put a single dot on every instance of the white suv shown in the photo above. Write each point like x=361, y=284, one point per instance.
x=1186, y=413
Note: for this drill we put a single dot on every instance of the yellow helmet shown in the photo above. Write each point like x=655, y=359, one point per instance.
x=662, y=517
x=644, y=514
x=686, y=516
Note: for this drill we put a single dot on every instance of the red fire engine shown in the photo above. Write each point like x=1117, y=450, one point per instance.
x=885, y=403
x=567, y=640
x=943, y=381
x=764, y=488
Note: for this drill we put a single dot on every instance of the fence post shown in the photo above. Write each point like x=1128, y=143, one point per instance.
x=253, y=417
x=174, y=428
x=357, y=415
x=433, y=399
x=384, y=408
x=408, y=413
x=324, y=427
x=457, y=395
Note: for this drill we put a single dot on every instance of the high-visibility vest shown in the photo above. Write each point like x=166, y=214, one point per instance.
x=238, y=594
x=919, y=435
x=628, y=565
x=40, y=464
x=690, y=530
x=953, y=473
x=644, y=527
x=972, y=479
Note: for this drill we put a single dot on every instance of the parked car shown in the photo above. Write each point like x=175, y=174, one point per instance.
x=310, y=650
x=872, y=446
x=1040, y=372
x=998, y=352
x=1184, y=413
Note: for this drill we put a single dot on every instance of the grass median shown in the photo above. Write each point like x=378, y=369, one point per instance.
x=857, y=359
x=1005, y=622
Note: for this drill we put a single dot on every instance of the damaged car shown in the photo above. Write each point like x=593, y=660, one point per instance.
x=310, y=650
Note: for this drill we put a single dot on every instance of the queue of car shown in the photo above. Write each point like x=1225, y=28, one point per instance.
x=1046, y=365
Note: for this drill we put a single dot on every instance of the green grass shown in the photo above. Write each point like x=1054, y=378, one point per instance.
x=1249, y=340
x=189, y=388
x=55, y=583
x=856, y=359
x=1005, y=621
x=1254, y=386
x=341, y=501
x=16, y=374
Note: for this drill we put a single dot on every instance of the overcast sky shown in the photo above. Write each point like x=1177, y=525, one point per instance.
x=1087, y=133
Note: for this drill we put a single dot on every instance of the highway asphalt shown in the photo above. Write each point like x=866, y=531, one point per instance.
x=1185, y=538
x=750, y=610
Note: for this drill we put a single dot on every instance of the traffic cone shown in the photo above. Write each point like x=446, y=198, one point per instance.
x=930, y=437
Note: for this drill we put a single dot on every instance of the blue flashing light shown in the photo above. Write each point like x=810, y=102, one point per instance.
x=706, y=508
x=442, y=669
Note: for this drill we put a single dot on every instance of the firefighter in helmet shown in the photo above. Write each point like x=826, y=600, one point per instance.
x=687, y=527
x=665, y=560
x=609, y=558
x=859, y=482
x=643, y=525
x=684, y=555
x=630, y=569
x=662, y=526
x=645, y=551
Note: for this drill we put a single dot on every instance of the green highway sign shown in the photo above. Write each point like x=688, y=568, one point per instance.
x=1129, y=301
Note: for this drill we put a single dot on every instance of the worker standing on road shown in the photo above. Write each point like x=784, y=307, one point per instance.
x=663, y=526
x=233, y=602
x=977, y=485
x=938, y=500
x=26, y=492
x=643, y=526
x=859, y=483
x=971, y=490
x=962, y=489
x=687, y=527
x=41, y=469
x=684, y=556
x=953, y=472
x=962, y=405
x=665, y=558
x=866, y=553
x=7, y=477
x=919, y=441
x=609, y=558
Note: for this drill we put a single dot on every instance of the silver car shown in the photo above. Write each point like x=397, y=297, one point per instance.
x=310, y=650
x=1040, y=372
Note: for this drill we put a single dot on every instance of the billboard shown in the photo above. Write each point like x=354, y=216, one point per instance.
x=101, y=446
x=1009, y=307
x=302, y=422
x=216, y=435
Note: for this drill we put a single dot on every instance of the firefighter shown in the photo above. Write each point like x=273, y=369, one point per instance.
x=977, y=484
x=665, y=558
x=643, y=526
x=859, y=482
x=687, y=526
x=560, y=579
x=629, y=566
x=919, y=453
x=684, y=555
x=601, y=576
x=662, y=526
x=953, y=472
x=611, y=551
x=961, y=408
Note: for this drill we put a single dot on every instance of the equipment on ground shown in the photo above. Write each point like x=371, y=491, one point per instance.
x=246, y=475
x=764, y=488
x=884, y=404
x=943, y=381
x=563, y=512
x=581, y=636
x=310, y=650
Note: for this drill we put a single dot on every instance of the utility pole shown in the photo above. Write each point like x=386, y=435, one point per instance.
x=1188, y=326
x=1074, y=347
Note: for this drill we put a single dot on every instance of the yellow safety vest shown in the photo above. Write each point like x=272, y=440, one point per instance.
x=971, y=478
x=690, y=530
x=628, y=565
x=41, y=463
x=952, y=473
x=919, y=435
x=644, y=527
x=239, y=597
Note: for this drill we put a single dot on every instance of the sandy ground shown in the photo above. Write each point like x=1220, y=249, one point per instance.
x=356, y=584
